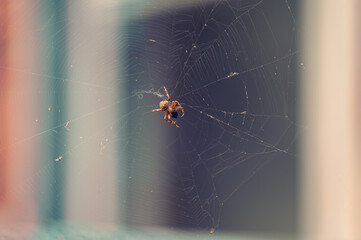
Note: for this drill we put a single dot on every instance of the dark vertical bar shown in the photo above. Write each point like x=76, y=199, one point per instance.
x=55, y=72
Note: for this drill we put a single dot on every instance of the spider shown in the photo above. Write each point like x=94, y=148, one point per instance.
x=170, y=109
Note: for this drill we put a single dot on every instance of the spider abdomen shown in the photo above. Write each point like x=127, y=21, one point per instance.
x=174, y=114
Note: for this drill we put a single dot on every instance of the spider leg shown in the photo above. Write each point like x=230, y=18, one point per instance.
x=169, y=120
x=167, y=95
x=176, y=102
x=179, y=107
x=176, y=108
x=157, y=110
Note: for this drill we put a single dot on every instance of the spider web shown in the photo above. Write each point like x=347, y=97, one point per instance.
x=231, y=64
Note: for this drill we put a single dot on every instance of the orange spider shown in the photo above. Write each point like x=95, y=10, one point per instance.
x=170, y=109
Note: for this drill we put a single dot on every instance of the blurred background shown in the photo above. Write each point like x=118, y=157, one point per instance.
x=268, y=147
